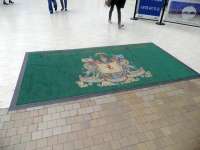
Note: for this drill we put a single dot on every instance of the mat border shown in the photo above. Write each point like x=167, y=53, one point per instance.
x=14, y=107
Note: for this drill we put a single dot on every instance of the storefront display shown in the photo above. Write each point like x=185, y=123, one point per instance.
x=184, y=12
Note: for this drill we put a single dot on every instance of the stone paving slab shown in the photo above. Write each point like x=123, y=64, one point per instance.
x=163, y=117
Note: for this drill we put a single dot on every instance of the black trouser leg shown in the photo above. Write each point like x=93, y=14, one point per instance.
x=62, y=5
x=65, y=1
x=119, y=15
x=4, y=2
x=110, y=12
x=54, y=4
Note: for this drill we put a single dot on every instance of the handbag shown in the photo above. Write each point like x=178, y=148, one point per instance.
x=108, y=3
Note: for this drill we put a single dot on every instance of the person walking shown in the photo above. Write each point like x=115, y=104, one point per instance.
x=119, y=4
x=50, y=5
x=10, y=2
x=63, y=5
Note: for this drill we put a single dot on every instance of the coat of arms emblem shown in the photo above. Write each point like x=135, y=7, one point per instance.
x=109, y=71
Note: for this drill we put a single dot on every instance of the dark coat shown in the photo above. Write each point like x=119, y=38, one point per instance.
x=119, y=3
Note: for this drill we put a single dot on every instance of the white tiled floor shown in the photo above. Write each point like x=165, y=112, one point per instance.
x=27, y=26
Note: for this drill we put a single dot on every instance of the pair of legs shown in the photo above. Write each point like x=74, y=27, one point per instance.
x=63, y=5
x=50, y=5
x=10, y=2
x=118, y=13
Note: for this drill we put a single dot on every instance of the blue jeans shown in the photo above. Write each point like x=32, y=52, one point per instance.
x=50, y=5
x=63, y=5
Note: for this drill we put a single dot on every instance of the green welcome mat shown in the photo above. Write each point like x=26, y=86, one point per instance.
x=53, y=76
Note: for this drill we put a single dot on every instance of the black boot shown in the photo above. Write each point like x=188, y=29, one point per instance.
x=11, y=2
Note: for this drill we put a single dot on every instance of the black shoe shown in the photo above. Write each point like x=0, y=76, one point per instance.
x=51, y=12
x=120, y=26
x=62, y=9
x=55, y=8
x=11, y=2
x=65, y=9
x=5, y=3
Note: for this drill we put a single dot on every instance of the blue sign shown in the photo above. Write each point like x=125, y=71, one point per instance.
x=177, y=7
x=150, y=7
